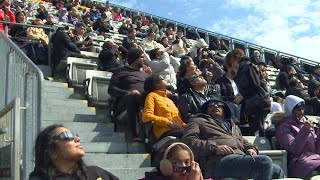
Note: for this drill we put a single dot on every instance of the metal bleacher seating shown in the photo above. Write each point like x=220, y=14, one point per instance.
x=92, y=55
x=76, y=70
x=278, y=156
x=96, y=85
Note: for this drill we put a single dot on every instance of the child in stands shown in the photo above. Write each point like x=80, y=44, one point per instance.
x=177, y=164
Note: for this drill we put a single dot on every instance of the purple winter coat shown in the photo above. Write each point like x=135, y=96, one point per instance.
x=302, y=145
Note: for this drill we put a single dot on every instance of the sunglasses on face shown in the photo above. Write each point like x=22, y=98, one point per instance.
x=67, y=135
x=181, y=169
x=220, y=104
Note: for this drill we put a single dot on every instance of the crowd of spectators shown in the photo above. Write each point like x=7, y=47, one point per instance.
x=171, y=80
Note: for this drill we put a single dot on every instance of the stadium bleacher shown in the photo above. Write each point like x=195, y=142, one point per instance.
x=81, y=103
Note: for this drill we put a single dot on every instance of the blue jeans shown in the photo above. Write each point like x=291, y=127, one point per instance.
x=244, y=167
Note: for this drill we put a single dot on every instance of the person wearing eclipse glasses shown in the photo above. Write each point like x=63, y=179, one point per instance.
x=177, y=164
x=221, y=150
x=58, y=155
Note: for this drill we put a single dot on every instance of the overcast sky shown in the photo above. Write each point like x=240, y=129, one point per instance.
x=291, y=26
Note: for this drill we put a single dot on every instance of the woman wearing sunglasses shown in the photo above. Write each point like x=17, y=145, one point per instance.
x=58, y=155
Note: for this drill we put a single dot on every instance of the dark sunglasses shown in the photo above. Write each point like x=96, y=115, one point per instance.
x=67, y=135
x=181, y=169
x=217, y=103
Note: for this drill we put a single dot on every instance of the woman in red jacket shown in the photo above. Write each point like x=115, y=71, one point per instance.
x=5, y=13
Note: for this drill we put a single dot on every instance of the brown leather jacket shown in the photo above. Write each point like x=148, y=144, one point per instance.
x=203, y=134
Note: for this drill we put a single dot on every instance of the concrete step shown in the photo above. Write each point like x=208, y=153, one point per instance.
x=130, y=173
x=118, y=160
x=54, y=89
x=101, y=137
x=70, y=110
x=78, y=117
x=83, y=126
x=62, y=95
x=64, y=102
x=113, y=147
x=55, y=84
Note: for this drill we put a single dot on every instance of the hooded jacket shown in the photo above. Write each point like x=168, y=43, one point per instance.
x=301, y=142
x=204, y=134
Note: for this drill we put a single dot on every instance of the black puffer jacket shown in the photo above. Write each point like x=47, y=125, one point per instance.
x=190, y=102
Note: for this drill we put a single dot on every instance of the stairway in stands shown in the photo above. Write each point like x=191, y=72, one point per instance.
x=103, y=146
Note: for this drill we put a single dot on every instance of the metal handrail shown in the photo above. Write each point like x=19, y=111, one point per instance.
x=307, y=61
x=22, y=79
x=11, y=119
x=51, y=28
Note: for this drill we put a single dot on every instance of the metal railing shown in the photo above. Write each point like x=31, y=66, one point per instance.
x=21, y=78
x=232, y=42
x=50, y=28
x=11, y=141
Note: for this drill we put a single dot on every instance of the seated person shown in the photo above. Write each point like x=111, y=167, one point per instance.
x=149, y=43
x=126, y=85
x=108, y=57
x=42, y=12
x=315, y=73
x=18, y=30
x=63, y=47
x=283, y=78
x=161, y=109
x=198, y=93
x=6, y=14
x=102, y=25
x=297, y=89
x=186, y=69
x=87, y=22
x=63, y=15
x=256, y=58
x=220, y=148
x=209, y=65
x=129, y=39
x=124, y=28
x=296, y=135
x=177, y=164
x=58, y=155
x=162, y=64
x=83, y=42
x=38, y=34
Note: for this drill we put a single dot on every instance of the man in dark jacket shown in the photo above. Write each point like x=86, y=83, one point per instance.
x=221, y=150
x=63, y=47
x=199, y=92
x=127, y=85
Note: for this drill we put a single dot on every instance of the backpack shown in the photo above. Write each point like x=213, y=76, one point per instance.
x=253, y=88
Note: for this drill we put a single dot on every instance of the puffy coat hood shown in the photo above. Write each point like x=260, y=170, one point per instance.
x=227, y=110
x=290, y=102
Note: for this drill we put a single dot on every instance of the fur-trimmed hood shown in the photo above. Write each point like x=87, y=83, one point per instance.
x=290, y=102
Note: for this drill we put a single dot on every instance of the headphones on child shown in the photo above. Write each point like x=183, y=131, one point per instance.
x=166, y=167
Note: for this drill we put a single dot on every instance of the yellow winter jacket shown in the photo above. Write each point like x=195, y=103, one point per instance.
x=160, y=109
